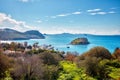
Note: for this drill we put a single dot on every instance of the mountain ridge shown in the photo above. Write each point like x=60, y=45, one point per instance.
x=10, y=34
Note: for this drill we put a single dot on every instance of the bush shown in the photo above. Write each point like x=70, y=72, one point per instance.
x=70, y=57
x=28, y=68
x=71, y=72
x=116, y=54
x=4, y=65
x=99, y=52
x=50, y=58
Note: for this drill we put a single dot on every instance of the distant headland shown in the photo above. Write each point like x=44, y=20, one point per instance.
x=10, y=34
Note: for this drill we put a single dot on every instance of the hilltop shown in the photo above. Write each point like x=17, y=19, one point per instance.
x=10, y=34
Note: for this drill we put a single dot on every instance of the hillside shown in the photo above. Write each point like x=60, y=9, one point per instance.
x=10, y=34
x=34, y=34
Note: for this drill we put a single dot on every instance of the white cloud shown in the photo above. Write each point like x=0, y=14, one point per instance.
x=93, y=10
x=62, y=15
x=76, y=13
x=24, y=0
x=98, y=13
x=7, y=22
x=66, y=14
x=112, y=12
x=101, y=13
x=39, y=21
x=93, y=13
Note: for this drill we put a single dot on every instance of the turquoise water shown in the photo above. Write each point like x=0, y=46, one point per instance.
x=61, y=42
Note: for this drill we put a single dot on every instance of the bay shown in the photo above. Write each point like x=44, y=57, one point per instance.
x=61, y=42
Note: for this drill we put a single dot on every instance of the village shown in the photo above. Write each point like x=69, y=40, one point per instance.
x=21, y=48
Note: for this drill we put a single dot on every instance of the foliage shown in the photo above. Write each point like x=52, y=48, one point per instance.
x=115, y=73
x=90, y=65
x=4, y=65
x=99, y=52
x=50, y=58
x=80, y=41
x=28, y=68
x=114, y=68
x=116, y=54
x=70, y=57
x=71, y=72
x=111, y=68
x=41, y=64
x=51, y=72
x=97, y=67
x=12, y=46
x=8, y=77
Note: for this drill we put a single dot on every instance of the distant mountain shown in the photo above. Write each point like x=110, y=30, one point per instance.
x=34, y=34
x=80, y=34
x=10, y=34
x=69, y=35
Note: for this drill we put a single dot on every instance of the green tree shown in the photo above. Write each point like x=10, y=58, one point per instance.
x=71, y=72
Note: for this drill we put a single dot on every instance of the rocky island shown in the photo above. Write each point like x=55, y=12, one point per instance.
x=80, y=41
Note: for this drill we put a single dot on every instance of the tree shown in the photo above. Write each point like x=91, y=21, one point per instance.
x=51, y=72
x=70, y=57
x=50, y=58
x=90, y=64
x=28, y=68
x=90, y=61
x=116, y=54
x=99, y=52
x=13, y=46
x=4, y=65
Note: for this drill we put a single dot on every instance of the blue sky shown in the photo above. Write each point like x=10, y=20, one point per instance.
x=61, y=16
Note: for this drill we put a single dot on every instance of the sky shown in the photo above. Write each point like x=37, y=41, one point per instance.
x=61, y=16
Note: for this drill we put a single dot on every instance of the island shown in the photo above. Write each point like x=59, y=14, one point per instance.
x=80, y=41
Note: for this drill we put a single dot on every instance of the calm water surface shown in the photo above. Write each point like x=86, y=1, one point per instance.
x=61, y=42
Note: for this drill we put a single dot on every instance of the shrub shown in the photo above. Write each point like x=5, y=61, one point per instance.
x=70, y=57
x=50, y=58
x=99, y=52
x=71, y=72
x=28, y=68
x=4, y=65
x=116, y=54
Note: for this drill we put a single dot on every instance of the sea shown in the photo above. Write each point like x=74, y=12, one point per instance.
x=61, y=42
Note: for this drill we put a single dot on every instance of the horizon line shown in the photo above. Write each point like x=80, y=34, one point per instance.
x=62, y=32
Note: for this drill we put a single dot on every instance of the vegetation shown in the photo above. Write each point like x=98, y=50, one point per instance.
x=80, y=41
x=98, y=52
x=72, y=72
x=4, y=66
x=116, y=54
x=10, y=34
x=44, y=64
